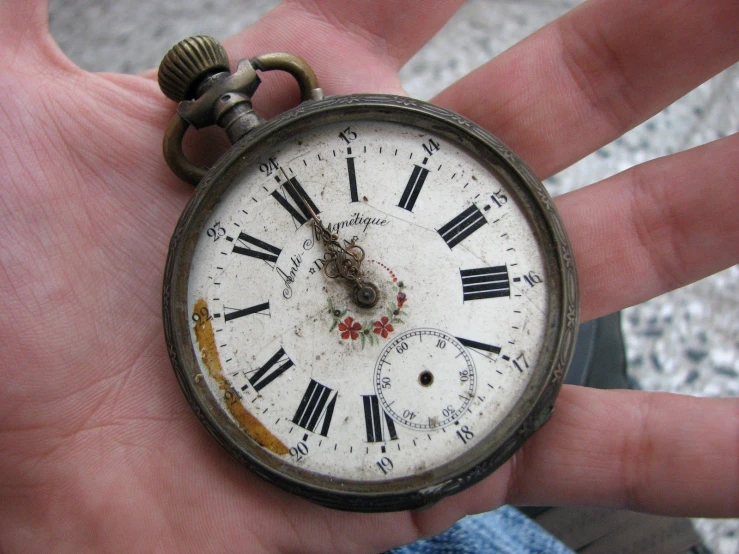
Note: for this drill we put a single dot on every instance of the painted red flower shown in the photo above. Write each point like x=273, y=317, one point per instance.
x=383, y=327
x=349, y=328
x=401, y=299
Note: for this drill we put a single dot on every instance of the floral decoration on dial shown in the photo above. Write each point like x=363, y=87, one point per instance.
x=350, y=328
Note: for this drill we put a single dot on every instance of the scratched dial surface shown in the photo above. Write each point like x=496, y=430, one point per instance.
x=381, y=393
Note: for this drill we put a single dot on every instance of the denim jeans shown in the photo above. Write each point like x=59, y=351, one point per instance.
x=504, y=531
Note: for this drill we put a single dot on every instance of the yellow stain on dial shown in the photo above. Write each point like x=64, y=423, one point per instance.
x=209, y=354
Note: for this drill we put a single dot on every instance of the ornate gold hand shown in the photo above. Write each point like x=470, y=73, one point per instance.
x=342, y=261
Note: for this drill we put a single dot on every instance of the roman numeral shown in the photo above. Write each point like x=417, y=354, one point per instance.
x=235, y=313
x=275, y=366
x=266, y=251
x=352, y=178
x=316, y=407
x=462, y=226
x=373, y=420
x=300, y=211
x=485, y=282
x=415, y=183
x=479, y=347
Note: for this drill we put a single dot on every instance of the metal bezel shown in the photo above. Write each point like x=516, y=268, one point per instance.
x=534, y=407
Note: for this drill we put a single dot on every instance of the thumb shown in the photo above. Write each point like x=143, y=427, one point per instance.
x=24, y=35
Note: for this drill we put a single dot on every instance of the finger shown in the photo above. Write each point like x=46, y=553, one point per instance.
x=651, y=452
x=655, y=452
x=594, y=73
x=655, y=227
x=24, y=36
x=21, y=21
x=352, y=46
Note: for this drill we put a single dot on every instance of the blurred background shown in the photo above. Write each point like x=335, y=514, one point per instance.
x=686, y=341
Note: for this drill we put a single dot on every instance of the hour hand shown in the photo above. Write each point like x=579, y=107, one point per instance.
x=342, y=261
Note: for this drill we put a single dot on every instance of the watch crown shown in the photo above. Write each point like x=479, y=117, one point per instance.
x=189, y=62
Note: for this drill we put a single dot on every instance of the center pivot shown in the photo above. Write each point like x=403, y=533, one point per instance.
x=366, y=294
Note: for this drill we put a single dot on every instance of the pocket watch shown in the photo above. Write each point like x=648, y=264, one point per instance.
x=369, y=300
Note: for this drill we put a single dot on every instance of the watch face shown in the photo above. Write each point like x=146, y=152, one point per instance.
x=428, y=389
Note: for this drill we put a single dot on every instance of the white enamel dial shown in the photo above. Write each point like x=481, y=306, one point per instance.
x=325, y=385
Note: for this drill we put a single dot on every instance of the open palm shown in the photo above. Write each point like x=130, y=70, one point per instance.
x=98, y=447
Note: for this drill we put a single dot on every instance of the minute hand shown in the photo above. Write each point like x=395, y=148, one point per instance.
x=341, y=261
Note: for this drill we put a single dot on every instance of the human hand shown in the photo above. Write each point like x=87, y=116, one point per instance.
x=98, y=447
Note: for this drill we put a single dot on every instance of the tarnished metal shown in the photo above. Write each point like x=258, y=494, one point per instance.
x=217, y=96
x=195, y=72
x=175, y=157
x=295, y=66
x=187, y=63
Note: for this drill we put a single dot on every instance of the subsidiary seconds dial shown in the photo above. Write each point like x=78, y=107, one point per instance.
x=425, y=379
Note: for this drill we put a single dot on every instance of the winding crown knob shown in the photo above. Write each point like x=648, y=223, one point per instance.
x=186, y=65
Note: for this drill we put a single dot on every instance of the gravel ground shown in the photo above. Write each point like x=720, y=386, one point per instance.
x=686, y=341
